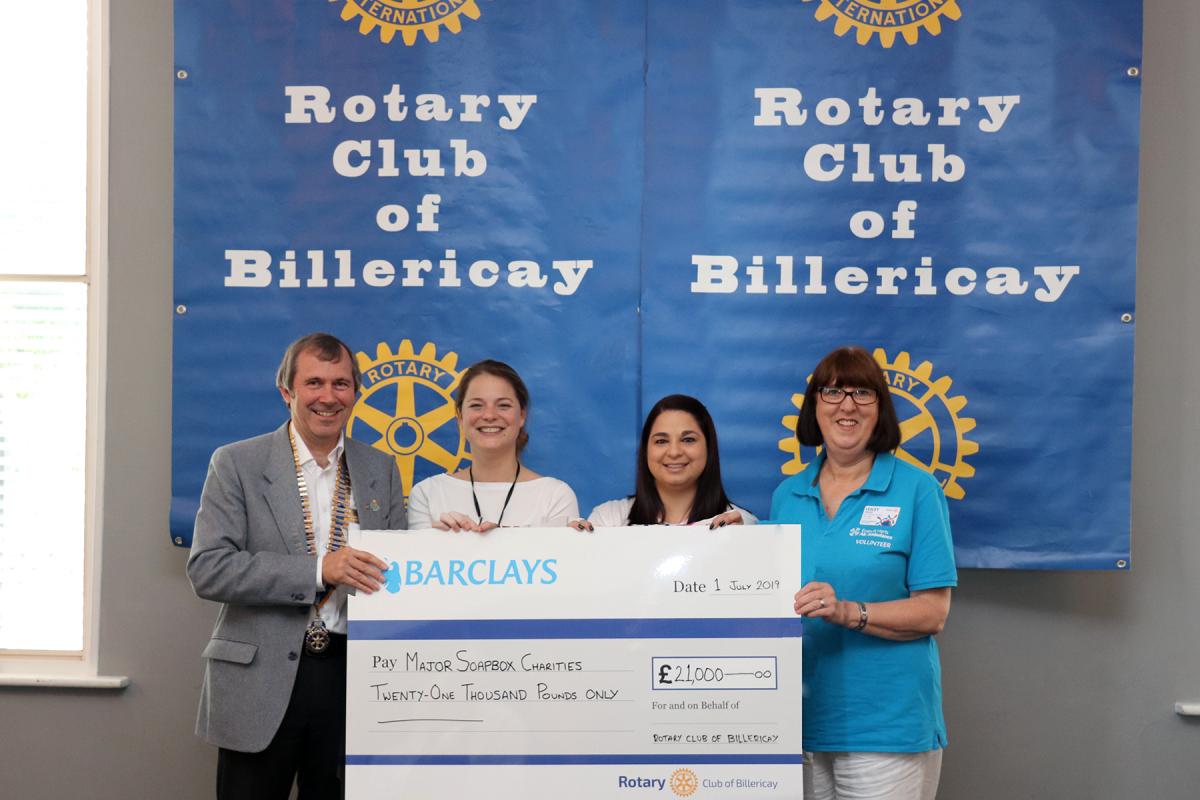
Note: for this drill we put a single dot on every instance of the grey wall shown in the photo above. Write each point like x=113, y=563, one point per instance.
x=1063, y=685
x=1057, y=685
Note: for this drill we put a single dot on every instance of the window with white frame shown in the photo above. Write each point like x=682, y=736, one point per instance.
x=52, y=90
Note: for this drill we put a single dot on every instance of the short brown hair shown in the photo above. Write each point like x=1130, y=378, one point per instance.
x=850, y=366
x=328, y=347
x=497, y=369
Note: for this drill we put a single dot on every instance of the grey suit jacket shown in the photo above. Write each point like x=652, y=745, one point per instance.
x=249, y=553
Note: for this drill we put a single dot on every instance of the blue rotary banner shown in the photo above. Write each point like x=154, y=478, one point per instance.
x=625, y=200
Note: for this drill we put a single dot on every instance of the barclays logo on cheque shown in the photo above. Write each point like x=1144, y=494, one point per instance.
x=480, y=572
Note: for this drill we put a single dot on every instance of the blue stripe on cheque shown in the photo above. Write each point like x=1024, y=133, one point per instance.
x=703, y=628
x=572, y=758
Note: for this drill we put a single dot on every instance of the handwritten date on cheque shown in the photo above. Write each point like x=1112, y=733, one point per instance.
x=717, y=585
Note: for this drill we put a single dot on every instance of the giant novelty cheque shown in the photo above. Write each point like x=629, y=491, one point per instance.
x=551, y=663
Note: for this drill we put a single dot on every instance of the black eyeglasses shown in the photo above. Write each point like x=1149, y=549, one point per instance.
x=835, y=394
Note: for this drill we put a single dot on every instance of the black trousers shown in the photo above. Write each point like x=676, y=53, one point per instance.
x=310, y=745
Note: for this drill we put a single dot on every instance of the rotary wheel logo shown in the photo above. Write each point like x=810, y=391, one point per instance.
x=406, y=409
x=684, y=783
x=409, y=17
x=932, y=429
x=887, y=18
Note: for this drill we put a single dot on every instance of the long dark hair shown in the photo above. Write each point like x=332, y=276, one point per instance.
x=710, y=494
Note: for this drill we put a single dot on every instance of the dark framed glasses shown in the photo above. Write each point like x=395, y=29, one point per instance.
x=835, y=394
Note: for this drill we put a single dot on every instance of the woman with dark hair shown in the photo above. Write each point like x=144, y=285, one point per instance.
x=496, y=490
x=678, y=473
x=877, y=571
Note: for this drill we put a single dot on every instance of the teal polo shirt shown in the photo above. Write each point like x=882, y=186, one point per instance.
x=889, y=538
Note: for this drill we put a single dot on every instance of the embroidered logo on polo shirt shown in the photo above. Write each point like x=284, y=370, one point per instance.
x=872, y=537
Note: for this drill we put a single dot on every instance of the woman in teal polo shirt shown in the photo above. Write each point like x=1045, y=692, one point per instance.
x=878, y=565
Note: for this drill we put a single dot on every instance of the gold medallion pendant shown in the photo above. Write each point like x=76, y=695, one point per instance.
x=316, y=637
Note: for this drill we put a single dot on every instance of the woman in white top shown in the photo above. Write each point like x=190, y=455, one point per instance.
x=496, y=489
x=678, y=473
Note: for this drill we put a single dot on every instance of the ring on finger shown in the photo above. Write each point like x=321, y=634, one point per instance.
x=822, y=602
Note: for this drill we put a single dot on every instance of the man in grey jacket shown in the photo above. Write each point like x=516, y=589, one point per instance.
x=270, y=546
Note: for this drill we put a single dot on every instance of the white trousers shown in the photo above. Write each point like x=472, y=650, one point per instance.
x=872, y=776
